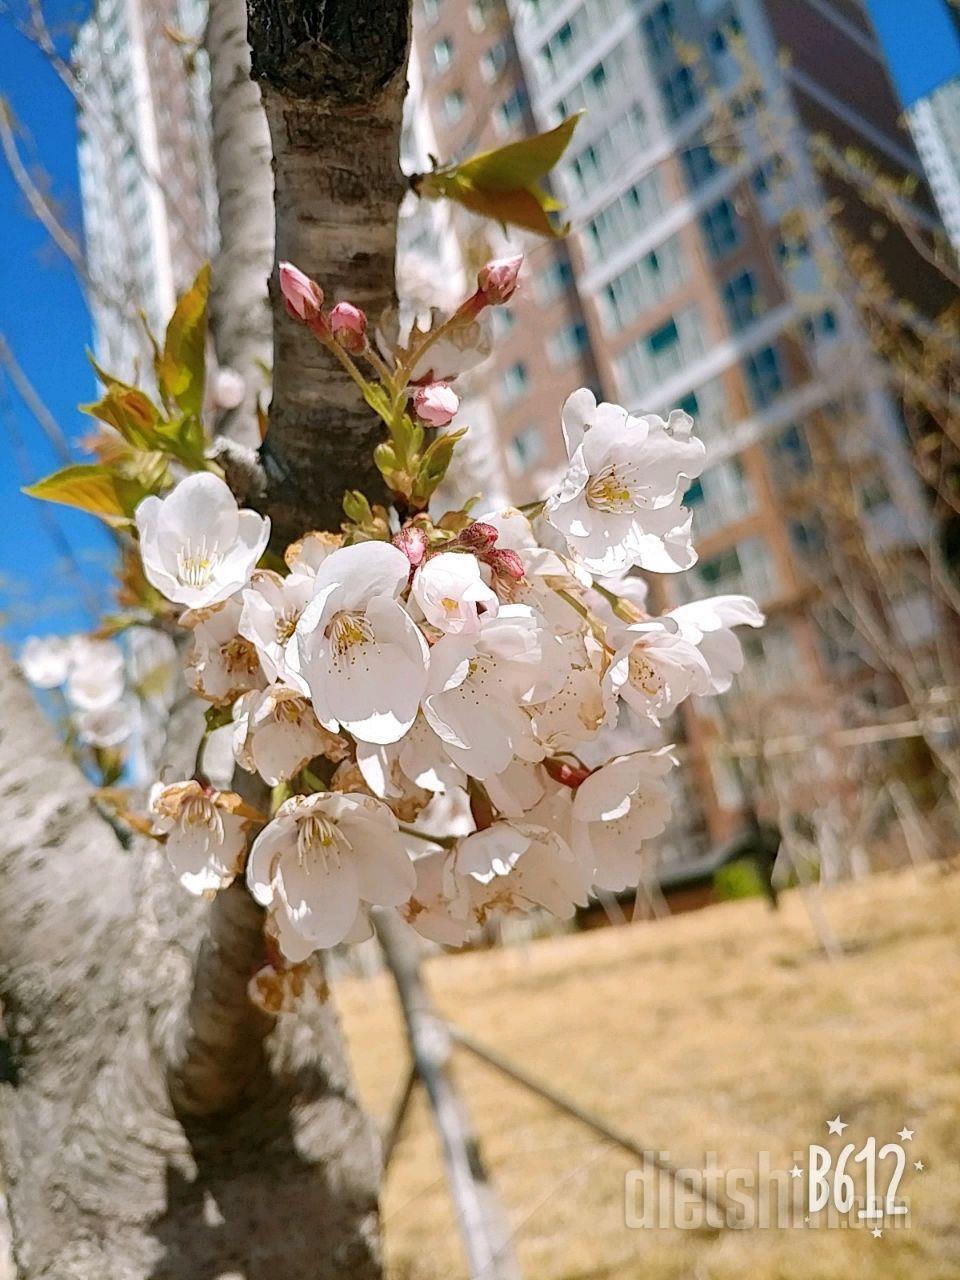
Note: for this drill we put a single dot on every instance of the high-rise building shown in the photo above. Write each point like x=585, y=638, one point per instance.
x=149, y=203
x=921, y=42
x=705, y=270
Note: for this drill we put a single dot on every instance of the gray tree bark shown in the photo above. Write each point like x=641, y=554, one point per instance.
x=240, y=317
x=332, y=75
x=153, y=1124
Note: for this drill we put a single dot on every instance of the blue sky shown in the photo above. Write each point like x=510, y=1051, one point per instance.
x=45, y=321
x=921, y=42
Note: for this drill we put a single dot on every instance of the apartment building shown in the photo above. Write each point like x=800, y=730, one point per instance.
x=688, y=281
x=927, y=77
x=146, y=180
x=476, y=96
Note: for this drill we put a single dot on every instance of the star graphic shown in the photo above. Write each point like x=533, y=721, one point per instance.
x=796, y=1172
x=836, y=1126
x=876, y=1233
x=919, y=1166
x=905, y=1134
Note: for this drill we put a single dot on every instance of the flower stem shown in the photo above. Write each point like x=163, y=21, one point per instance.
x=625, y=609
x=447, y=842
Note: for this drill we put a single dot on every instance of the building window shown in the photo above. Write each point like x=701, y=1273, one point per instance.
x=666, y=350
x=680, y=92
x=510, y=112
x=722, y=495
x=441, y=55
x=568, y=343
x=659, y=28
x=494, y=60
x=699, y=164
x=807, y=537
x=746, y=568
x=431, y=11
x=789, y=456
x=454, y=105
x=502, y=320
x=617, y=223
x=560, y=49
x=764, y=375
x=645, y=282
x=514, y=382
x=721, y=228
x=480, y=12
x=599, y=88
x=743, y=300
x=820, y=328
x=604, y=158
x=525, y=450
x=554, y=281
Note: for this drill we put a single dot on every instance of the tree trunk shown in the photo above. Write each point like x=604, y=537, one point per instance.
x=155, y=1126
x=332, y=75
x=240, y=316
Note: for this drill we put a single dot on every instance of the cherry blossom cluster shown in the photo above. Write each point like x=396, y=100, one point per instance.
x=437, y=703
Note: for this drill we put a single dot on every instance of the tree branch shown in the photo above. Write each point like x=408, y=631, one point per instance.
x=240, y=317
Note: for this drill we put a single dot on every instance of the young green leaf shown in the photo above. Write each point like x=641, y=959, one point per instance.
x=92, y=487
x=504, y=184
x=180, y=368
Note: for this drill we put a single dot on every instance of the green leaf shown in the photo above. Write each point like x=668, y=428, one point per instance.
x=356, y=507
x=378, y=400
x=504, y=184
x=519, y=164
x=92, y=487
x=128, y=411
x=185, y=438
x=434, y=463
x=180, y=368
x=216, y=717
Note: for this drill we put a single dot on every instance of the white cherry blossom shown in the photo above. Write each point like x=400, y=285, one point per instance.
x=620, y=500
x=620, y=805
x=45, y=660
x=690, y=650
x=360, y=653
x=440, y=905
x=221, y=664
x=96, y=679
x=198, y=548
x=708, y=624
x=655, y=668
x=515, y=866
x=276, y=733
x=271, y=610
x=206, y=833
x=480, y=688
x=417, y=762
x=105, y=726
x=576, y=711
x=322, y=859
x=452, y=594
x=308, y=553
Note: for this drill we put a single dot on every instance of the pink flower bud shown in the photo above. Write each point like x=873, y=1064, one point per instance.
x=348, y=325
x=302, y=296
x=497, y=281
x=478, y=535
x=413, y=543
x=568, y=775
x=436, y=404
x=503, y=560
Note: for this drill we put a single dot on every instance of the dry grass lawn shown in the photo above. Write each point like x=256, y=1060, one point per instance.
x=725, y=1030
